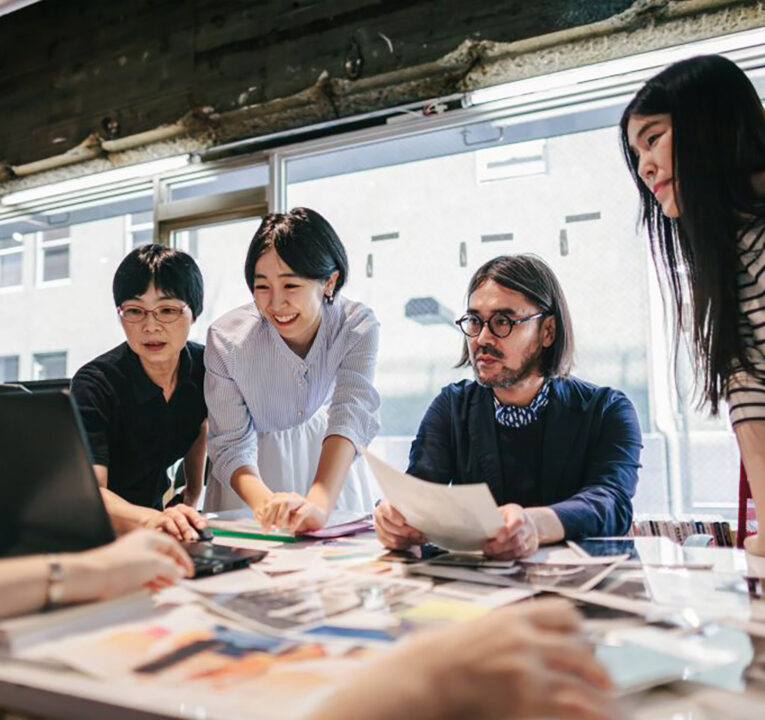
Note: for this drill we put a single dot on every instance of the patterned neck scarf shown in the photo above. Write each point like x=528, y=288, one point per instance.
x=514, y=416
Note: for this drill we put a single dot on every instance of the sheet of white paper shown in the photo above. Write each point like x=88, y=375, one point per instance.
x=695, y=647
x=248, y=543
x=456, y=517
x=290, y=559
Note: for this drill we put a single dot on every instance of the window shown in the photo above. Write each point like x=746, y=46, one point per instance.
x=220, y=251
x=139, y=230
x=11, y=260
x=538, y=171
x=188, y=241
x=9, y=368
x=546, y=177
x=74, y=315
x=47, y=366
x=419, y=281
x=53, y=256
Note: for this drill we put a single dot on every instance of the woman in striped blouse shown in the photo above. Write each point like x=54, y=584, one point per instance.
x=289, y=382
x=694, y=139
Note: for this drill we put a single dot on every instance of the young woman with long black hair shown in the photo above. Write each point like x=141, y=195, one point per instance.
x=694, y=139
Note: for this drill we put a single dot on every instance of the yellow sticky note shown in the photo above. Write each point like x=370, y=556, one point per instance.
x=443, y=611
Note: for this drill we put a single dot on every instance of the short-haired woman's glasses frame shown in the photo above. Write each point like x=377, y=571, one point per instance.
x=164, y=314
x=500, y=324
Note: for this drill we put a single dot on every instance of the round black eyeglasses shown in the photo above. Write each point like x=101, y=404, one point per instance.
x=500, y=324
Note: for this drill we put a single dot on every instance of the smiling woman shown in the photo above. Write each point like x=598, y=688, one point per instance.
x=142, y=402
x=289, y=382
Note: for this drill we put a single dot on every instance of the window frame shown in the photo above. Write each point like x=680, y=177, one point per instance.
x=17, y=358
x=35, y=363
x=592, y=95
x=42, y=246
x=5, y=252
x=131, y=229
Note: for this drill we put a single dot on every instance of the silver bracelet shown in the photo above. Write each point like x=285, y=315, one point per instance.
x=55, y=588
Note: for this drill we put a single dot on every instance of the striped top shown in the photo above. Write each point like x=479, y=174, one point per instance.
x=746, y=392
x=255, y=383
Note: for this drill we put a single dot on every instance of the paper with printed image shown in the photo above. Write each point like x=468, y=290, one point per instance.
x=216, y=668
x=301, y=601
x=455, y=517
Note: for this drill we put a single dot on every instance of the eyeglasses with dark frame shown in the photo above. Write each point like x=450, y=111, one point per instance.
x=500, y=324
x=164, y=314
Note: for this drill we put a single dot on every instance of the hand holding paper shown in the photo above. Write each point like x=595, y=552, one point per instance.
x=518, y=538
x=456, y=517
x=392, y=529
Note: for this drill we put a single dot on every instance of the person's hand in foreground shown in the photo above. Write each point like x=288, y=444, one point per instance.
x=517, y=662
x=291, y=511
x=180, y=521
x=518, y=538
x=140, y=559
x=392, y=530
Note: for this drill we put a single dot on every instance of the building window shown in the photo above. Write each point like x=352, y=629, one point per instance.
x=53, y=256
x=139, y=230
x=47, y=366
x=188, y=241
x=9, y=368
x=11, y=260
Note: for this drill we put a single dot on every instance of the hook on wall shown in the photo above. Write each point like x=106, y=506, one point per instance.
x=498, y=138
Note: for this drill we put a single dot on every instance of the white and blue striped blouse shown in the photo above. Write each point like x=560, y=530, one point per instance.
x=255, y=383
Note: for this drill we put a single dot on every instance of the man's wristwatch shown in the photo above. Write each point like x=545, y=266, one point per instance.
x=55, y=590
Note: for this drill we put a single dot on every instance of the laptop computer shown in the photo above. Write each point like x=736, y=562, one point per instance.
x=49, y=495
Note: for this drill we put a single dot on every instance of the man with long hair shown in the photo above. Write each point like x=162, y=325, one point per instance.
x=560, y=455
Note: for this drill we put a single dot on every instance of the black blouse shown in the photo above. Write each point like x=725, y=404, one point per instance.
x=131, y=428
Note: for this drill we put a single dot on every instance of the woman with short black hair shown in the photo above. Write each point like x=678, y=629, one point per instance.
x=142, y=403
x=694, y=139
x=289, y=381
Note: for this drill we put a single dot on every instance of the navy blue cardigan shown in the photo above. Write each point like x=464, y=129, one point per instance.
x=590, y=459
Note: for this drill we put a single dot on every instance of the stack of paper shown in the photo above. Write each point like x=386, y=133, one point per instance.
x=304, y=600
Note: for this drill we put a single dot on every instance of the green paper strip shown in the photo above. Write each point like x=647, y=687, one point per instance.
x=254, y=535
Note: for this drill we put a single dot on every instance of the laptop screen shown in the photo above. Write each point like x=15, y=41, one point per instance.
x=49, y=497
